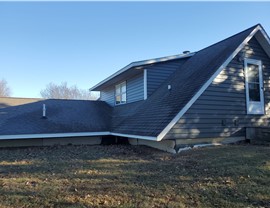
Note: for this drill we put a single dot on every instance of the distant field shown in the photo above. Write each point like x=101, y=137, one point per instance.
x=129, y=176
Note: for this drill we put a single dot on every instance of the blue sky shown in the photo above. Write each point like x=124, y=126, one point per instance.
x=84, y=42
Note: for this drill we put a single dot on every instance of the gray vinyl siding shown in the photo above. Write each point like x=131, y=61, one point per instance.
x=135, y=90
x=107, y=95
x=221, y=110
x=158, y=73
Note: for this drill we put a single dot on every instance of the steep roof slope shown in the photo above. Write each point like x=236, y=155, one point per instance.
x=159, y=109
x=63, y=116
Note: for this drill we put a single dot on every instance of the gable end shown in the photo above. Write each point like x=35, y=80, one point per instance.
x=205, y=86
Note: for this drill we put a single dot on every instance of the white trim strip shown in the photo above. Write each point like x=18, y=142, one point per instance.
x=135, y=136
x=264, y=34
x=56, y=135
x=140, y=63
x=145, y=83
x=203, y=88
x=79, y=134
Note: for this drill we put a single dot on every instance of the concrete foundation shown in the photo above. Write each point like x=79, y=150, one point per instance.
x=177, y=145
x=51, y=142
x=165, y=145
x=192, y=142
x=258, y=135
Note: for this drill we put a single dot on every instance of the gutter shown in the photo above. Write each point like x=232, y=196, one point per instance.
x=78, y=134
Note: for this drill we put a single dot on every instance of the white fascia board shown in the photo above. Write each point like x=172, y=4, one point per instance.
x=56, y=135
x=264, y=34
x=140, y=63
x=135, y=136
x=264, y=40
x=79, y=134
x=203, y=88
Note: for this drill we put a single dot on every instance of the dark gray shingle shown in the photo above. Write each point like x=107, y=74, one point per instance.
x=63, y=116
x=158, y=110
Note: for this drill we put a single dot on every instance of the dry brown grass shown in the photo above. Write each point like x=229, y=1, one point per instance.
x=126, y=176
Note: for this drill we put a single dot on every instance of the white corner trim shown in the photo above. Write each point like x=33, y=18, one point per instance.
x=135, y=136
x=145, y=83
x=203, y=88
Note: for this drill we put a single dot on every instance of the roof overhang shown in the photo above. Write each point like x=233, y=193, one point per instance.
x=263, y=39
x=76, y=134
x=133, y=69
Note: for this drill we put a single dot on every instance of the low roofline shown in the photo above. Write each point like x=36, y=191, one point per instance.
x=141, y=63
x=54, y=135
x=76, y=134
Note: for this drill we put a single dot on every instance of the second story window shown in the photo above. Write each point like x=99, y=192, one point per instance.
x=120, y=93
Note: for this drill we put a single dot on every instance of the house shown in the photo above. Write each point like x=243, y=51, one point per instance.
x=215, y=95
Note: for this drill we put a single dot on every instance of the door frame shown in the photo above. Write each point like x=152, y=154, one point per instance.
x=254, y=107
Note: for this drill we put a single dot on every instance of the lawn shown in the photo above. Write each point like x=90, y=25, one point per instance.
x=132, y=176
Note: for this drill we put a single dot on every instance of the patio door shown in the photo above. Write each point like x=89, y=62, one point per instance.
x=254, y=86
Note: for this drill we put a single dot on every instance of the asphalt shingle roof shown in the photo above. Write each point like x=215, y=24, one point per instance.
x=158, y=110
x=63, y=116
x=144, y=118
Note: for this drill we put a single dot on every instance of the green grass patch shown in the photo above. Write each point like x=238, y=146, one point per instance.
x=129, y=176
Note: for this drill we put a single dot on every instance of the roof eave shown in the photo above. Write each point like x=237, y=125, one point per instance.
x=75, y=134
x=140, y=63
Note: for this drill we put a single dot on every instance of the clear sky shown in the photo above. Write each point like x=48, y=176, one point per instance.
x=84, y=42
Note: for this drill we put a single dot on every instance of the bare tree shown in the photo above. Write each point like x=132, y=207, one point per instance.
x=63, y=91
x=4, y=88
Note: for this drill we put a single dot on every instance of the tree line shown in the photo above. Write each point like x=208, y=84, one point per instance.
x=54, y=91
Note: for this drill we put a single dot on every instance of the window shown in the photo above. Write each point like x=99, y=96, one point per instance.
x=120, y=93
x=254, y=86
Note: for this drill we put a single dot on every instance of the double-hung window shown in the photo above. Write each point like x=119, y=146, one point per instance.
x=120, y=93
x=254, y=86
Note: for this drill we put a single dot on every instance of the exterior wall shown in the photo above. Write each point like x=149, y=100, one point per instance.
x=135, y=90
x=107, y=95
x=221, y=110
x=158, y=73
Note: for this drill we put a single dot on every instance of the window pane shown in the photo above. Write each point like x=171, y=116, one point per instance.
x=117, y=99
x=117, y=89
x=253, y=73
x=124, y=97
x=123, y=87
x=254, y=92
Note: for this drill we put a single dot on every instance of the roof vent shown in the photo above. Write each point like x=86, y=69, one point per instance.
x=44, y=111
x=186, y=52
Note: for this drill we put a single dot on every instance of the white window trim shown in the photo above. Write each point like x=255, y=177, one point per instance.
x=121, y=93
x=248, y=102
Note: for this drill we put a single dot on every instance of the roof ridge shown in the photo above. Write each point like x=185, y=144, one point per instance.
x=230, y=37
